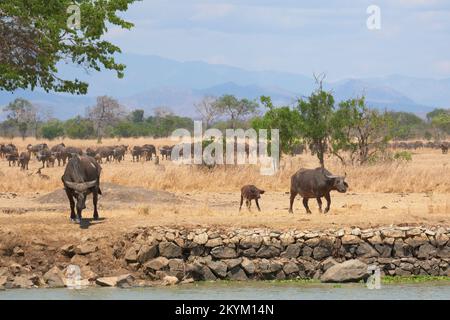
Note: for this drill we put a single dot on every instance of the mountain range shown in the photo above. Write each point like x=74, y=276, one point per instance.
x=153, y=81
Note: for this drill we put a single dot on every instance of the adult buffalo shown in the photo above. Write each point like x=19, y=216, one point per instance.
x=81, y=177
x=315, y=183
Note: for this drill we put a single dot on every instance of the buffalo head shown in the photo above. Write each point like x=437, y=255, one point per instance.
x=81, y=191
x=338, y=183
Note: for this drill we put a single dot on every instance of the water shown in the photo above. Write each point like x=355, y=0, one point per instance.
x=238, y=291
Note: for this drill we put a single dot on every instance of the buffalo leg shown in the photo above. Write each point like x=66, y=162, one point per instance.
x=257, y=204
x=319, y=202
x=328, y=198
x=293, y=195
x=248, y=204
x=95, y=198
x=305, y=204
x=72, y=205
x=242, y=201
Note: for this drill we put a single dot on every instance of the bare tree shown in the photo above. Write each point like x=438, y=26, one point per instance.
x=162, y=112
x=105, y=113
x=207, y=110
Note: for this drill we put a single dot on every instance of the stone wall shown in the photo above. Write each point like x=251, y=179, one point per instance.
x=149, y=256
x=210, y=254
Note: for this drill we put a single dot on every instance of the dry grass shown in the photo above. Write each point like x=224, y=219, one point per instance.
x=428, y=172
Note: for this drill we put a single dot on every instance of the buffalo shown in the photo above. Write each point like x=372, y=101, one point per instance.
x=81, y=177
x=249, y=193
x=315, y=183
x=24, y=159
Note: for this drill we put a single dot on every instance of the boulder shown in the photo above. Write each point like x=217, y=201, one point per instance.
x=251, y=242
x=290, y=268
x=320, y=253
x=169, y=250
x=248, y=266
x=86, y=248
x=201, y=238
x=350, y=239
x=237, y=274
x=223, y=252
x=426, y=251
x=170, y=281
x=216, y=242
x=292, y=251
x=231, y=263
x=156, y=264
x=348, y=271
x=218, y=267
x=131, y=254
x=147, y=252
x=54, y=278
x=365, y=250
x=268, y=252
x=22, y=282
x=123, y=281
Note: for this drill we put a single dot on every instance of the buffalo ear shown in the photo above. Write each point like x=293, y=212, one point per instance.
x=261, y=191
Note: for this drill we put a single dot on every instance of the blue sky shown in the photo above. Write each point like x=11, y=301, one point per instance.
x=297, y=36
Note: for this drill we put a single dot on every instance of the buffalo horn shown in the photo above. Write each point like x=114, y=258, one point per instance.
x=80, y=187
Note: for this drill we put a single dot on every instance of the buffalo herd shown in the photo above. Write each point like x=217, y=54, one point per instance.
x=82, y=172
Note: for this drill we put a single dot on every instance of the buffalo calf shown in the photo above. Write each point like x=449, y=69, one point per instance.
x=249, y=193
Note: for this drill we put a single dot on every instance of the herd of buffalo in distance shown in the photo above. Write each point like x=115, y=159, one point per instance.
x=82, y=173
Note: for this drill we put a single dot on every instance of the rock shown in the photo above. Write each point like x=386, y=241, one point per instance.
x=376, y=239
x=107, y=281
x=350, y=239
x=290, y=268
x=4, y=271
x=441, y=239
x=348, y=271
x=201, y=238
x=231, y=263
x=286, y=239
x=389, y=241
x=328, y=263
x=268, y=252
x=307, y=251
x=54, y=278
x=216, y=242
x=177, y=267
x=125, y=281
x=207, y=274
x=248, y=266
x=444, y=252
x=393, y=233
x=223, y=252
x=68, y=250
x=22, y=282
x=79, y=260
x=237, y=274
x=292, y=251
x=131, y=254
x=17, y=251
x=147, y=252
x=320, y=253
x=417, y=241
x=251, y=242
x=169, y=250
x=249, y=253
x=156, y=264
x=170, y=281
x=365, y=250
x=86, y=248
x=426, y=251
x=384, y=250
x=218, y=267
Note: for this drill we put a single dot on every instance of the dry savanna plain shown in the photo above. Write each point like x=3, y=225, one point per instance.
x=139, y=194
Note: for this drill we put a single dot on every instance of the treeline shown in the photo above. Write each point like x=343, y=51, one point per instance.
x=350, y=130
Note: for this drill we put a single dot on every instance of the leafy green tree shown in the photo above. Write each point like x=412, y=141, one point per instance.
x=437, y=112
x=442, y=122
x=79, y=128
x=52, y=129
x=35, y=37
x=137, y=116
x=359, y=131
x=236, y=109
x=407, y=125
x=316, y=114
x=285, y=119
